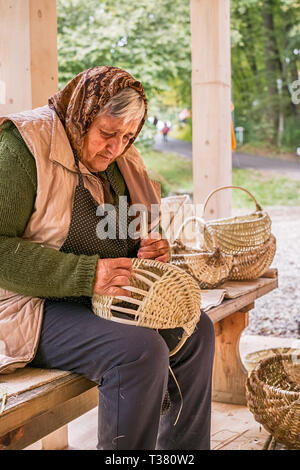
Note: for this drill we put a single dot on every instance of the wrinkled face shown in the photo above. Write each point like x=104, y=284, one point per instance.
x=105, y=140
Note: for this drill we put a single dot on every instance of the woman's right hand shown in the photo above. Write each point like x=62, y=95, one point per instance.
x=111, y=273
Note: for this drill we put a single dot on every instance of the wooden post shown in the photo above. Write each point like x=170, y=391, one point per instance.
x=28, y=54
x=229, y=373
x=211, y=100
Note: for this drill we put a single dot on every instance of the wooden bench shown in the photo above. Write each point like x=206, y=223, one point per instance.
x=43, y=412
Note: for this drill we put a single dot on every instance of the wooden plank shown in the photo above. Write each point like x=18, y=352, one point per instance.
x=229, y=373
x=272, y=273
x=39, y=426
x=234, y=305
x=234, y=427
x=211, y=103
x=27, y=405
x=57, y=440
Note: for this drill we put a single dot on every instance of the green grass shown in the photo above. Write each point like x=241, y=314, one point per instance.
x=269, y=190
x=175, y=175
x=173, y=172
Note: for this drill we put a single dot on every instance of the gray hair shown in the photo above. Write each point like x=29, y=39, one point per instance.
x=127, y=104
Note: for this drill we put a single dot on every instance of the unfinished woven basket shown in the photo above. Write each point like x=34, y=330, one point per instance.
x=273, y=396
x=162, y=296
x=241, y=233
x=253, y=264
x=209, y=268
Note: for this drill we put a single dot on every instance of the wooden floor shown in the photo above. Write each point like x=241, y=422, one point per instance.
x=233, y=426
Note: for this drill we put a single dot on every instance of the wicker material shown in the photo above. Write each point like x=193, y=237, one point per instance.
x=162, y=296
x=273, y=396
x=238, y=234
x=254, y=263
x=208, y=268
x=252, y=359
x=174, y=210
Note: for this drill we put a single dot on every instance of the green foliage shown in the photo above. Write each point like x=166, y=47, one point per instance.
x=171, y=171
x=269, y=189
x=183, y=131
x=151, y=39
x=148, y=39
x=175, y=174
x=264, y=55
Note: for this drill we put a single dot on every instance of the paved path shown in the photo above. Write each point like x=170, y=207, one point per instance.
x=239, y=160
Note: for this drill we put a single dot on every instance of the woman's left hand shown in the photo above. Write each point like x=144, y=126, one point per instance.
x=154, y=247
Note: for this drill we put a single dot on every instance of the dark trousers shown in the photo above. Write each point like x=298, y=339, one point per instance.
x=130, y=364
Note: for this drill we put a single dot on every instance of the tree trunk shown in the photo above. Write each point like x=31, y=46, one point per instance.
x=272, y=69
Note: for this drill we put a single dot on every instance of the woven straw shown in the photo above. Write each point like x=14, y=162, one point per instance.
x=174, y=210
x=253, y=264
x=252, y=359
x=162, y=297
x=241, y=233
x=209, y=268
x=273, y=396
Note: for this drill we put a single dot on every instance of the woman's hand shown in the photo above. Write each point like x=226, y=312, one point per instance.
x=111, y=273
x=154, y=247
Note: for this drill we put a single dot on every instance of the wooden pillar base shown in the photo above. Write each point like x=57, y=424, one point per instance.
x=57, y=440
x=229, y=374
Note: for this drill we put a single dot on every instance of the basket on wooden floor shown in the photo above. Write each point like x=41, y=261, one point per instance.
x=209, y=268
x=162, y=297
x=238, y=234
x=252, y=264
x=273, y=396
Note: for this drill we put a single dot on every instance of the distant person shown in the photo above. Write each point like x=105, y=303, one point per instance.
x=155, y=121
x=165, y=130
x=184, y=115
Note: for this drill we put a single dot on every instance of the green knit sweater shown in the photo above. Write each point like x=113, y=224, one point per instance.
x=25, y=267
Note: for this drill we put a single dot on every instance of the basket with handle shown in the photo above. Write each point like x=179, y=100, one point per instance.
x=209, y=268
x=273, y=396
x=254, y=263
x=162, y=297
x=238, y=234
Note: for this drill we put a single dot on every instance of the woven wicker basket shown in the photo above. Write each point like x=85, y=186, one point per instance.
x=241, y=233
x=162, y=296
x=253, y=264
x=252, y=359
x=273, y=396
x=209, y=268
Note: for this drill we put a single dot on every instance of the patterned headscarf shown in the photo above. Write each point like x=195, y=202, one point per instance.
x=78, y=103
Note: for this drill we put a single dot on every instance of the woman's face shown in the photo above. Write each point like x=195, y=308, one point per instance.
x=105, y=140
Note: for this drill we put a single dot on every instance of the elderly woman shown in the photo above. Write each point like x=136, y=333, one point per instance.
x=59, y=164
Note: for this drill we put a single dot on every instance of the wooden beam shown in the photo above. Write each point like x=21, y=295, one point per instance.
x=211, y=100
x=28, y=54
x=23, y=408
x=43, y=47
x=264, y=285
x=44, y=424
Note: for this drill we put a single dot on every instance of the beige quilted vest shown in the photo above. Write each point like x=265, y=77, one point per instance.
x=41, y=129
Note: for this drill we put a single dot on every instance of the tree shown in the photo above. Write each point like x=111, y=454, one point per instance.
x=265, y=61
x=151, y=39
x=148, y=39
